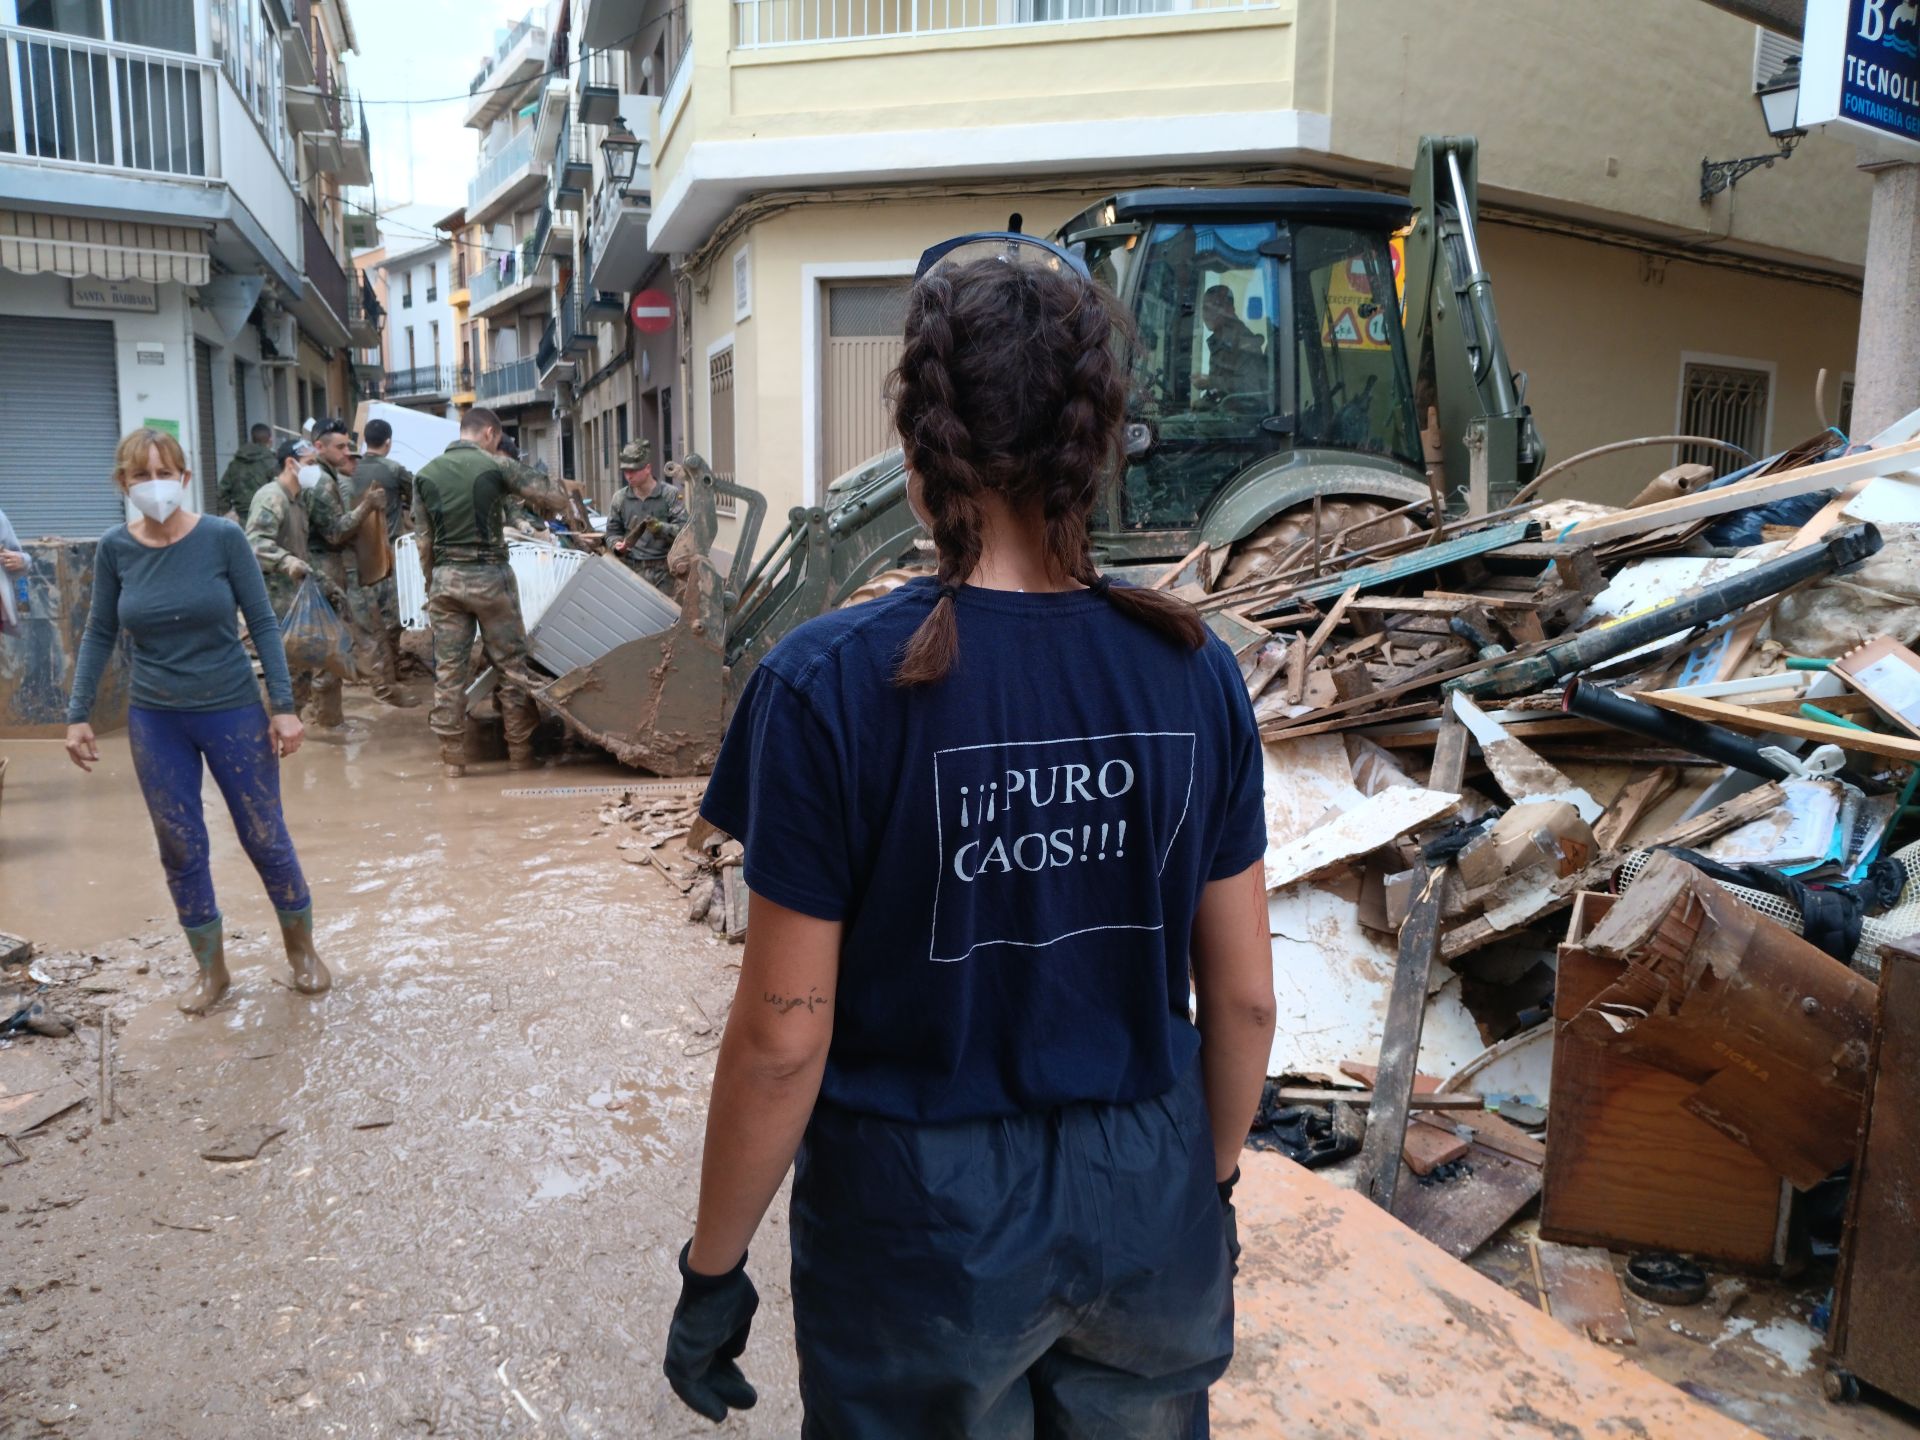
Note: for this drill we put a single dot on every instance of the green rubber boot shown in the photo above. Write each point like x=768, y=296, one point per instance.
x=310, y=977
x=209, y=945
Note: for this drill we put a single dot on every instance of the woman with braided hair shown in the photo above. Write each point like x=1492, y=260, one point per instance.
x=1004, y=832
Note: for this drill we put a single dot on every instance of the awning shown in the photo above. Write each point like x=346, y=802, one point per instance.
x=36, y=244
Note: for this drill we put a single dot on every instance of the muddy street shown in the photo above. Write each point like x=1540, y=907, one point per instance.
x=489, y=1131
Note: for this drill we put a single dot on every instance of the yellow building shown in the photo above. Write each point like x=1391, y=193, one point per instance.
x=799, y=156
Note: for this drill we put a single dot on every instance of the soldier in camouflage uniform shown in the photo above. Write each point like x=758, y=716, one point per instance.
x=646, y=517
x=277, y=531
x=375, y=609
x=458, y=500
x=331, y=525
x=252, y=466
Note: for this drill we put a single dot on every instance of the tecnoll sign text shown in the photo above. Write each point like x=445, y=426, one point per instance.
x=1860, y=67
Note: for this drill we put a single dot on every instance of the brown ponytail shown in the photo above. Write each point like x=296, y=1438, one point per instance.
x=1013, y=379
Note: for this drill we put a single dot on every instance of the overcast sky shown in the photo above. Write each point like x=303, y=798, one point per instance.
x=420, y=50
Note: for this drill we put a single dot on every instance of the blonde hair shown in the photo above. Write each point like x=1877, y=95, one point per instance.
x=132, y=454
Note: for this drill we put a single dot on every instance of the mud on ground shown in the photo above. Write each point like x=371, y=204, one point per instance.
x=490, y=1128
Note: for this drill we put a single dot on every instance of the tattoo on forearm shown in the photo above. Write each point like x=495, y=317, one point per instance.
x=786, y=1004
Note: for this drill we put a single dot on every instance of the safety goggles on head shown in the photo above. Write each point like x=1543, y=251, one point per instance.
x=1009, y=246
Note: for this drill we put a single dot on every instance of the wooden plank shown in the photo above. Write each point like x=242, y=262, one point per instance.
x=1380, y=1161
x=1428, y=1147
x=1785, y=485
x=1326, y=1095
x=1583, y=1292
x=1766, y=722
x=1277, y=730
x=1748, y=628
x=1635, y=799
x=1489, y=1130
x=32, y=1109
x=1376, y=821
x=1325, y=629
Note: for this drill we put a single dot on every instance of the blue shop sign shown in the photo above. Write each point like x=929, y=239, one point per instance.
x=1860, y=66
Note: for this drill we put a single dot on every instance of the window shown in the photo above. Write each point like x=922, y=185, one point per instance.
x=1845, y=420
x=620, y=423
x=720, y=419
x=412, y=359
x=406, y=291
x=320, y=401
x=606, y=445
x=433, y=282
x=742, y=283
x=666, y=424
x=434, y=327
x=1724, y=402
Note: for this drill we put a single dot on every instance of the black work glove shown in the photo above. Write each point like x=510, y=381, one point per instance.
x=1232, y=1219
x=708, y=1332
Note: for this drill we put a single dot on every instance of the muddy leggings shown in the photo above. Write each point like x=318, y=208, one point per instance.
x=169, y=748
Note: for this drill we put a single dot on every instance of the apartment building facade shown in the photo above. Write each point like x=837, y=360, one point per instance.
x=419, y=365
x=795, y=159
x=176, y=186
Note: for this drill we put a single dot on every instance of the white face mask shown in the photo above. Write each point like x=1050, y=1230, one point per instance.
x=309, y=476
x=157, y=499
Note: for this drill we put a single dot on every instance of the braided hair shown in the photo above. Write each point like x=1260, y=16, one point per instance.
x=1011, y=382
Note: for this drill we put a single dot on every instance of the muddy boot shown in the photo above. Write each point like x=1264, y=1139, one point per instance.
x=208, y=943
x=310, y=977
x=520, y=757
x=390, y=694
x=327, y=711
x=454, y=758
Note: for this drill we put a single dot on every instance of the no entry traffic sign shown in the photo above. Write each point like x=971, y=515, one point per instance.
x=651, y=311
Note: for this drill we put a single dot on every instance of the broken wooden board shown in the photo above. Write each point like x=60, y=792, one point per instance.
x=1346, y=1325
x=1771, y=1032
x=1376, y=821
x=1583, y=1292
x=1463, y=1213
x=1422, y=1100
x=1518, y=770
x=31, y=1109
x=1489, y=1129
x=1741, y=495
x=1635, y=799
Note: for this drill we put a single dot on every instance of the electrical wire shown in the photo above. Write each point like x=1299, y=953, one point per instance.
x=547, y=74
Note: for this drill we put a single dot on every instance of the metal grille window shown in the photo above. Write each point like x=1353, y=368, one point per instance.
x=1724, y=402
x=865, y=324
x=720, y=408
x=1845, y=422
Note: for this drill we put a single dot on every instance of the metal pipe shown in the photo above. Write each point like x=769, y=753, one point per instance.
x=1709, y=603
x=1585, y=455
x=1715, y=742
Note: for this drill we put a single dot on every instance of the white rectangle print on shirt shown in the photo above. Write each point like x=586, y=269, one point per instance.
x=1045, y=840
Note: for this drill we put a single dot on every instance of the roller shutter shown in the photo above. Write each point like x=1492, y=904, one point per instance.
x=59, y=424
x=208, y=463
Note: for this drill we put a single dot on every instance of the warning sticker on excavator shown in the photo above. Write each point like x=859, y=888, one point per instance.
x=1355, y=320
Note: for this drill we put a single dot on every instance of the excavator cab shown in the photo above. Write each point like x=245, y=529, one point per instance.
x=1268, y=341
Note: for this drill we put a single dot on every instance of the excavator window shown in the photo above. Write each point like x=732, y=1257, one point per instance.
x=1255, y=337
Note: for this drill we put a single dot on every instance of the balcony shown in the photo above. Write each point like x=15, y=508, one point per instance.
x=322, y=308
x=553, y=364
x=362, y=219
x=422, y=384
x=363, y=313
x=515, y=383
x=507, y=279
x=296, y=43
x=617, y=232
x=94, y=105
x=572, y=170
x=549, y=120
x=503, y=178
x=575, y=338
x=356, y=150
x=766, y=24
x=600, y=88
x=518, y=58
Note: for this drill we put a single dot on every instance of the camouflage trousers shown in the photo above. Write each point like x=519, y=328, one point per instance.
x=375, y=616
x=653, y=571
x=461, y=600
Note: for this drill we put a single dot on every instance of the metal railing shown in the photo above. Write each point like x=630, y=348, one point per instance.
x=602, y=70
x=516, y=377
x=500, y=167
x=514, y=267
x=759, y=24
x=420, y=380
x=615, y=201
x=549, y=347
x=514, y=36
x=363, y=306
x=105, y=106
x=322, y=268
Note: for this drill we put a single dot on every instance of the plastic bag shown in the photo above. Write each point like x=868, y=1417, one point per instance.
x=315, y=637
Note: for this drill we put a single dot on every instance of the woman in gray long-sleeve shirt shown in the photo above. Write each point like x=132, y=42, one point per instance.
x=172, y=581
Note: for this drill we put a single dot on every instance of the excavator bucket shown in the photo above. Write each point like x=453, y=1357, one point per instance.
x=661, y=703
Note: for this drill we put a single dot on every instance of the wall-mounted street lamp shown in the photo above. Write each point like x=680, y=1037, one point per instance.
x=621, y=151
x=1780, y=107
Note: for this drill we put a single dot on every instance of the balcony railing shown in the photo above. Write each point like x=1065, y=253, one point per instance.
x=505, y=48
x=759, y=24
x=104, y=106
x=516, y=377
x=500, y=168
x=323, y=271
x=363, y=307
x=520, y=264
x=421, y=380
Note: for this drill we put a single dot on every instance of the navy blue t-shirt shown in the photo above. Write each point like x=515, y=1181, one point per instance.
x=1016, y=853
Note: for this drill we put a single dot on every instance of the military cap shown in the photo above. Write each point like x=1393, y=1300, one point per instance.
x=634, y=454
